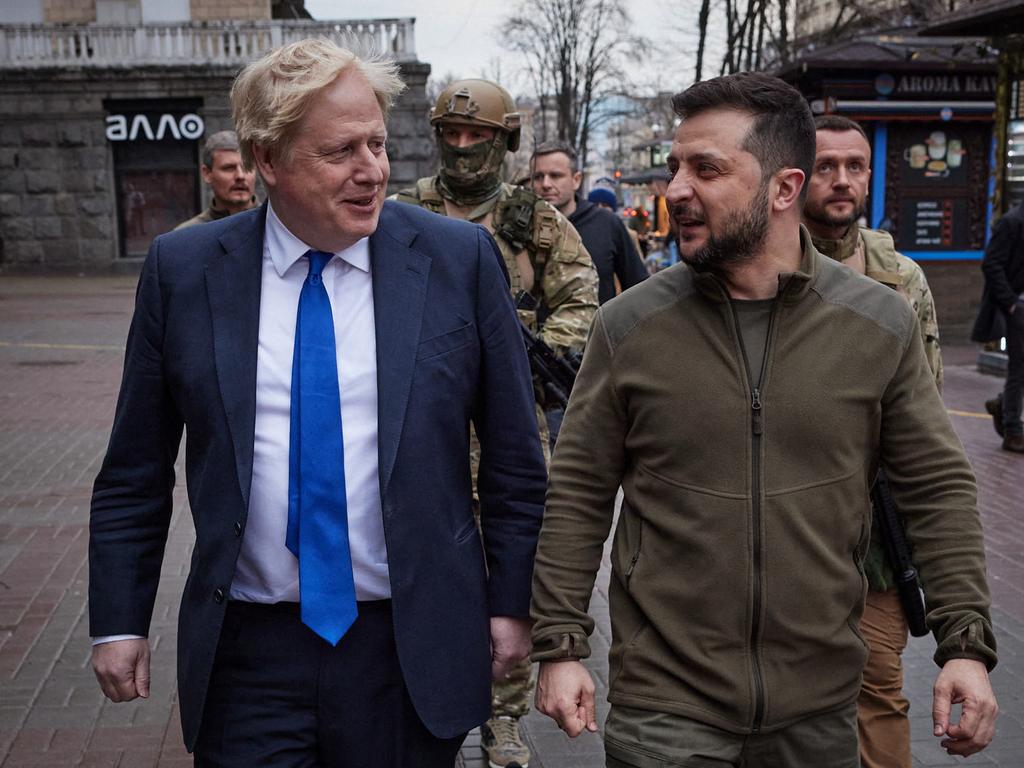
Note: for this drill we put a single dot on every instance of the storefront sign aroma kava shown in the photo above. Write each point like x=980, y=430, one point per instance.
x=129, y=127
x=970, y=86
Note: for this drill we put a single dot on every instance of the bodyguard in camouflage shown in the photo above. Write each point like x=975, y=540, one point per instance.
x=835, y=200
x=475, y=124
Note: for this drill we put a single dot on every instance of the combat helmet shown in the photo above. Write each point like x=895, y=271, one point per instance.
x=470, y=174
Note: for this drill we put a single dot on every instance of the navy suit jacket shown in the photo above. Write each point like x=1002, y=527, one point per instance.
x=449, y=352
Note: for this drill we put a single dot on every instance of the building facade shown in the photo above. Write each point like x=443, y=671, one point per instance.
x=104, y=106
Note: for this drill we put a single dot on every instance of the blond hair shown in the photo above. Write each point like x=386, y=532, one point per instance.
x=270, y=96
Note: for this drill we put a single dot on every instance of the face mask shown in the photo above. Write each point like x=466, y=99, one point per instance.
x=472, y=174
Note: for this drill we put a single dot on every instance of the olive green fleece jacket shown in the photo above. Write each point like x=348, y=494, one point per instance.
x=737, y=578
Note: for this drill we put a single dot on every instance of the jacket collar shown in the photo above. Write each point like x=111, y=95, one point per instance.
x=793, y=286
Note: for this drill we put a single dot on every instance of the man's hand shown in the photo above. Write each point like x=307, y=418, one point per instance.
x=122, y=667
x=565, y=693
x=964, y=681
x=510, y=643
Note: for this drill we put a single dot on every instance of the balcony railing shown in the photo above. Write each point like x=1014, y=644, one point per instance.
x=229, y=44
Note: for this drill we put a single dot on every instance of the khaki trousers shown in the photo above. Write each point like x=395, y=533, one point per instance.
x=882, y=722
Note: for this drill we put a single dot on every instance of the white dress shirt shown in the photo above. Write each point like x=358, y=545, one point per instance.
x=267, y=572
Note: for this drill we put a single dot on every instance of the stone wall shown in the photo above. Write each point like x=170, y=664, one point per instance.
x=69, y=11
x=236, y=10
x=57, y=197
x=956, y=286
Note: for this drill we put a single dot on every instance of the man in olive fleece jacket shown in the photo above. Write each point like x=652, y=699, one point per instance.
x=743, y=401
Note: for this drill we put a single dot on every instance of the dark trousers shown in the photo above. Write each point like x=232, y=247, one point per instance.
x=282, y=697
x=1013, y=393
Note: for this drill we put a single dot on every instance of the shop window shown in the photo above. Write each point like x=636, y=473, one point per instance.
x=156, y=167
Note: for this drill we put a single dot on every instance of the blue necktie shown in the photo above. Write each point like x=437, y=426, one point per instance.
x=317, y=508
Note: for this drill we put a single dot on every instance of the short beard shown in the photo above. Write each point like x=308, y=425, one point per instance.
x=819, y=215
x=739, y=240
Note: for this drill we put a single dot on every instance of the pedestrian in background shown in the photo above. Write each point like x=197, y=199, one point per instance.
x=325, y=355
x=605, y=198
x=232, y=185
x=836, y=193
x=743, y=404
x=556, y=177
x=1002, y=313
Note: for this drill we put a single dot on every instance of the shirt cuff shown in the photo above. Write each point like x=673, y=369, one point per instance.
x=114, y=638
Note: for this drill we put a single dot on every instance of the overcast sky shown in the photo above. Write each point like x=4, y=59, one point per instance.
x=460, y=36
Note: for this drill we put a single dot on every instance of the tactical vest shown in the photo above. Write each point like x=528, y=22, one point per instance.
x=519, y=221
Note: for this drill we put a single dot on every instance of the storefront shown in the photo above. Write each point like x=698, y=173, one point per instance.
x=1001, y=24
x=101, y=130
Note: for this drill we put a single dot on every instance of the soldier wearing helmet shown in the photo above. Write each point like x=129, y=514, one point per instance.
x=475, y=124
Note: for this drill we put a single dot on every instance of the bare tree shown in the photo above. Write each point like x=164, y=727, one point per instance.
x=702, y=31
x=437, y=84
x=573, y=52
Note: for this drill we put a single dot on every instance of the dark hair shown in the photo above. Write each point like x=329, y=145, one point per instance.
x=838, y=123
x=782, y=135
x=551, y=147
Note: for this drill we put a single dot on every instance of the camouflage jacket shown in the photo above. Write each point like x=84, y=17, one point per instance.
x=873, y=253
x=542, y=251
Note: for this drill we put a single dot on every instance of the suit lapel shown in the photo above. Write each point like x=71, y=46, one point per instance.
x=400, y=276
x=233, y=286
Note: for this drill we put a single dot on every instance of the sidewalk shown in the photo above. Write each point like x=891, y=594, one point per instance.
x=61, y=343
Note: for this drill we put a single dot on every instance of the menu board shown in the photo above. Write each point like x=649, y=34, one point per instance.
x=932, y=224
x=935, y=190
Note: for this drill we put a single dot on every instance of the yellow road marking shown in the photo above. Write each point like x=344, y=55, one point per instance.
x=970, y=414
x=40, y=345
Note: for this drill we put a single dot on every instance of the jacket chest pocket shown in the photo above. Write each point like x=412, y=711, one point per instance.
x=446, y=343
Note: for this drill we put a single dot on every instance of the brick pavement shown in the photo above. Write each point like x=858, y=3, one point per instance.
x=61, y=341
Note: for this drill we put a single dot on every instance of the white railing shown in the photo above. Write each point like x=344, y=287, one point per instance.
x=30, y=46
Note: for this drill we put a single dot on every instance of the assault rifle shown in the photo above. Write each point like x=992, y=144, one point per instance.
x=897, y=550
x=556, y=375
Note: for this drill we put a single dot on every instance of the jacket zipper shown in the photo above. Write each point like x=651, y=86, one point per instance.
x=636, y=555
x=756, y=429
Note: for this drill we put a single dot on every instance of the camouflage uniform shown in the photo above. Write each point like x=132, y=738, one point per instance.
x=541, y=250
x=881, y=707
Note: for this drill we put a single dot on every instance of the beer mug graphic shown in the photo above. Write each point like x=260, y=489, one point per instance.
x=955, y=153
x=916, y=155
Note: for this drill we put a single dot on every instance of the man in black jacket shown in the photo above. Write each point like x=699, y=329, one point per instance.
x=556, y=177
x=1004, y=290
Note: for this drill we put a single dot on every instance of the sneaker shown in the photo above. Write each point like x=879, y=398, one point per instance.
x=1014, y=443
x=501, y=741
x=995, y=408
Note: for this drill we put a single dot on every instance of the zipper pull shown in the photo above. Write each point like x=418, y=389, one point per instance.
x=755, y=407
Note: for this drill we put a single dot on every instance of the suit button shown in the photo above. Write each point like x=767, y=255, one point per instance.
x=238, y=528
x=218, y=595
